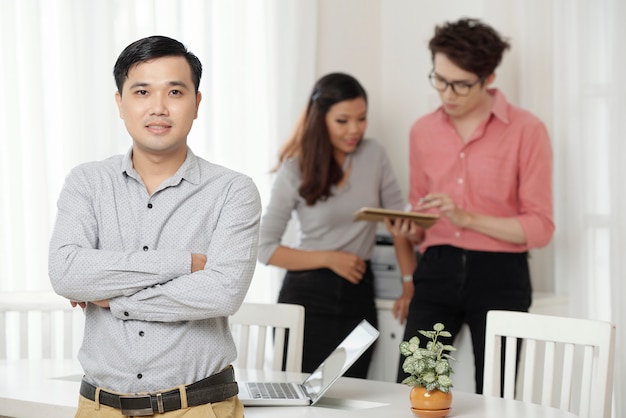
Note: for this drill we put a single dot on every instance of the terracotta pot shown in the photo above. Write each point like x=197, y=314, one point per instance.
x=433, y=404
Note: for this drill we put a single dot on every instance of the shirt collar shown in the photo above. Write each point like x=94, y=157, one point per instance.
x=499, y=107
x=189, y=170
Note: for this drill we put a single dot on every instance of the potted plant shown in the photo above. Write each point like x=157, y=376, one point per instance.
x=429, y=372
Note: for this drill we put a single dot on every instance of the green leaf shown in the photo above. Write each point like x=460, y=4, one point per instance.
x=405, y=348
x=442, y=367
x=411, y=381
x=429, y=334
x=429, y=377
x=438, y=327
x=419, y=366
x=445, y=334
x=409, y=365
x=444, y=381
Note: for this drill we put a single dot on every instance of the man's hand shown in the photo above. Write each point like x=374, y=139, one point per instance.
x=198, y=261
x=448, y=208
x=349, y=266
x=101, y=303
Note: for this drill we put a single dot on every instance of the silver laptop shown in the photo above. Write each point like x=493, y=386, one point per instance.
x=317, y=383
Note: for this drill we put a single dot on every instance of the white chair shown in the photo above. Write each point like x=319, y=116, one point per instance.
x=576, y=374
x=39, y=325
x=261, y=328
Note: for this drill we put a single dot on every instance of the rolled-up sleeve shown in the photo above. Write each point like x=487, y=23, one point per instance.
x=535, y=189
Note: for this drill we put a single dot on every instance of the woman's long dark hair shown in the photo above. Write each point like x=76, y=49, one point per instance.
x=311, y=140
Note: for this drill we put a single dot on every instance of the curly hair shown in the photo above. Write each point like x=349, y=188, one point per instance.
x=470, y=44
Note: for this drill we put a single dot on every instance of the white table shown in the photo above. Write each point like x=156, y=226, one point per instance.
x=35, y=389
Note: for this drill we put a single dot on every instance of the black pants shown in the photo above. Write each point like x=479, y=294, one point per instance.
x=333, y=307
x=455, y=286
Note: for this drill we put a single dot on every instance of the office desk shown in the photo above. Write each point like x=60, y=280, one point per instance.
x=37, y=389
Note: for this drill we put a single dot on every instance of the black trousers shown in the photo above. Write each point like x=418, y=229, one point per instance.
x=455, y=286
x=333, y=307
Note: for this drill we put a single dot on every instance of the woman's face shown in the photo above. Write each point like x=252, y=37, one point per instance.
x=346, y=122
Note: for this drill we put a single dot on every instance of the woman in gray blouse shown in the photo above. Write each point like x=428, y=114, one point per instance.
x=326, y=172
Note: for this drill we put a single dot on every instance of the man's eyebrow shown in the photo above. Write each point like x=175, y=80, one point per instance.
x=451, y=81
x=174, y=83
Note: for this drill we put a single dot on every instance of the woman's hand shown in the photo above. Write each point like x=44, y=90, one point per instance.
x=347, y=265
x=401, y=305
x=406, y=228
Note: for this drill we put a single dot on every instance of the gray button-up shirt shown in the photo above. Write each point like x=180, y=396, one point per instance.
x=112, y=240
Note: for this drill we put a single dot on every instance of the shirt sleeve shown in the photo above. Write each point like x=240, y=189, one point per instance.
x=391, y=195
x=535, y=189
x=221, y=287
x=278, y=211
x=80, y=271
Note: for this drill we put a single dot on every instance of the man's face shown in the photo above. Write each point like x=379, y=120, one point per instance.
x=454, y=105
x=159, y=104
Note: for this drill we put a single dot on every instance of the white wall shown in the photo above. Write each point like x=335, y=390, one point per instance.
x=384, y=44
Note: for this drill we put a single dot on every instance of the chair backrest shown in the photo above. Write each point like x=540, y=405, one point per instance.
x=39, y=325
x=576, y=374
x=262, y=328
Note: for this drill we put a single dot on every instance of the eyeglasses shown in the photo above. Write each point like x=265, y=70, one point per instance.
x=460, y=88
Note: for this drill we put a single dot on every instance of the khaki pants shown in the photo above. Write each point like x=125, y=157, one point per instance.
x=229, y=408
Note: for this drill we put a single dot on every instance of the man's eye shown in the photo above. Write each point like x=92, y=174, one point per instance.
x=461, y=85
x=176, y=92
x=141, y=92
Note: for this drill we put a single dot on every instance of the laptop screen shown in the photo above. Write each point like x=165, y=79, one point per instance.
x=340, y=360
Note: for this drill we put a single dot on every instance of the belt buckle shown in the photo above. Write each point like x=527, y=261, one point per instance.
x=136, y=405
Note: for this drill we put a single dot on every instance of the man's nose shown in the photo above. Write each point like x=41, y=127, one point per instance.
x=158, y=105
x=449, y=92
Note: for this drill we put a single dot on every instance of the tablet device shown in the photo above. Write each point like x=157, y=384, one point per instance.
x=424, y=220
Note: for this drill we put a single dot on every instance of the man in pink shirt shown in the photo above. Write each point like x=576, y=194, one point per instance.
x=486, y=167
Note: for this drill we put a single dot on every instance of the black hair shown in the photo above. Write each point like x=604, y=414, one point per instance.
x=150, y=48
x=470, y=44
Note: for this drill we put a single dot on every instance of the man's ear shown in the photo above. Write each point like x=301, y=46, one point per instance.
x=198, y=100
x=489, y=80
x=118, y=100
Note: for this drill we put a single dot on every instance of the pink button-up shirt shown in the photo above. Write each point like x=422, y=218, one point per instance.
x=503, y=170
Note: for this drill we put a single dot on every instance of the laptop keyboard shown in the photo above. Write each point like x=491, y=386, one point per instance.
x=261, y=390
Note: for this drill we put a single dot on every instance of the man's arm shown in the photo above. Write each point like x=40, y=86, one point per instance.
x=80, y=271
x=219, y=288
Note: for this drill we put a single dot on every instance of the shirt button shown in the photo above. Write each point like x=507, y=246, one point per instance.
x=141, y=333
x=460, y=181
x=126, y=314
x=462, y=155
x=457, y=234
x=139, y=375
x=149, y=205
x=145, y=248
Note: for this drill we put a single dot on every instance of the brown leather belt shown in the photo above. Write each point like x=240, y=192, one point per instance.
x=215, y=388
